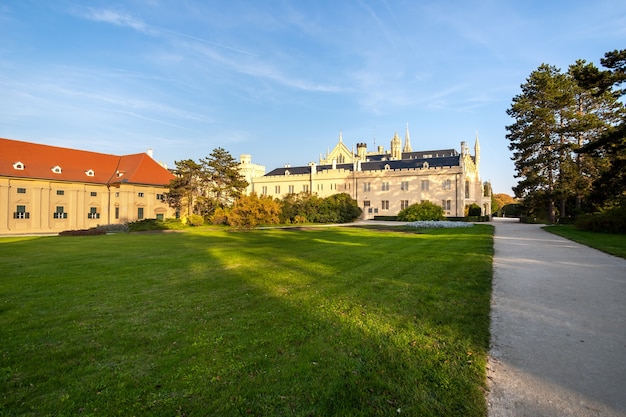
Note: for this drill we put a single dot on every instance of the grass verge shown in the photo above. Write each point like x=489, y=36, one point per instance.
x=337, y=321
x=614, y=244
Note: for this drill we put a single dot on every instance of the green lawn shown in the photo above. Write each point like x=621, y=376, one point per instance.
x=337, y=321
x=614, y=244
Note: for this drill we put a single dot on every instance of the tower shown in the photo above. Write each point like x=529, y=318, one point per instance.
x=396, y=151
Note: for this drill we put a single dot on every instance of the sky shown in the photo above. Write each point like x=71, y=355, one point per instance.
x=280, y=79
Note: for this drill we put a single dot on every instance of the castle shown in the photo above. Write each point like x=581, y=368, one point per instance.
x=383, y=182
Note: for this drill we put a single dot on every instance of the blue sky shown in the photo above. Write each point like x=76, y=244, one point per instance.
x=279, y=79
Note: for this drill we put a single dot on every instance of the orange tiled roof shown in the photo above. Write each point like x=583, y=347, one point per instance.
x=65, y=164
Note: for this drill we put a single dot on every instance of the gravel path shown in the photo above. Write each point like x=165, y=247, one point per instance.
x=558, y=326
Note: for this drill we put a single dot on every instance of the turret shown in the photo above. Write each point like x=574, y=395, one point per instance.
x=361, y=151
x=396, y=150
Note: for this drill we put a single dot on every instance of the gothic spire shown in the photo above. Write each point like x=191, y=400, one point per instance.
x=407, y=141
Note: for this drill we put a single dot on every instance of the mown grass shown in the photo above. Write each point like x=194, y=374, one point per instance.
x=614, y=244
x=334, y=321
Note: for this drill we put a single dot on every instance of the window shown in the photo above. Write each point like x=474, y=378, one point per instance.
x=404, y=204
x=19, y=166
x=140, y=195
x=404, y=186
x=93, y=194
x=21, y=190
x=60, y=192
x=446, y=185
x=467, y=189
x=305, y=188
x=60, y=213
x=160, y=197
x=277, y=189
x=366, y=203
x=117, y=194
x=366, y=186
x=90, y=173
x=291, y=189
x=264, y=190
x=57, y=170
x=117, y=212
x=139, y=213
x=425, y=185
x=320, y=187
x=385, y=186
x=160, y=216
x=384, y=205
x=93, y=213
x=21, y=213
x=448, y=205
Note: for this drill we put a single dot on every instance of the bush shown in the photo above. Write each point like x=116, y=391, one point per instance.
x=195, y=220
x=219, y=217
x=251, y=210
x=610, y=221
x=420, y=212
x=474, y=210
x=145, y=225
x=309, y=208
x=83, y=232
x=154, y=224
x=114, y=228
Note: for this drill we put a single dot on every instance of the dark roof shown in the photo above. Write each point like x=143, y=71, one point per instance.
x=75, y=165
x=417, y=162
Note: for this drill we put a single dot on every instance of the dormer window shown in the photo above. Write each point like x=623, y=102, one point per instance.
x=90, y=173
x=387, y=167
x=287, y=172
x=57, y=170
x=119, y=174
x=425, y=165
x=19, y=166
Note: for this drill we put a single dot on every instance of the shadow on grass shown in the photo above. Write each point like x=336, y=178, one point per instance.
x=318, y=322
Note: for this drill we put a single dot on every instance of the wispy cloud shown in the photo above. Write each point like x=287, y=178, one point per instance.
x=127, y=20
x=116, y=18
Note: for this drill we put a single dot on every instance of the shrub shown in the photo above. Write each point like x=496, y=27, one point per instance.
x=611, y=221
x=114, y=228
x=83, y=232
x=220, y=216
x=251, y=210
x=474, y=210
x=420, y=212
x=145, y=225
x=195, y=220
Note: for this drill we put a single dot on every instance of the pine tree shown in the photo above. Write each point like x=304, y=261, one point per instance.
x=538, y=137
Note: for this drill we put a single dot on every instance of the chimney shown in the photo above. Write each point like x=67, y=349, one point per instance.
x=150, y=153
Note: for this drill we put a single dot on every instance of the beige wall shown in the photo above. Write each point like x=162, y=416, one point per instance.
x=42, y=197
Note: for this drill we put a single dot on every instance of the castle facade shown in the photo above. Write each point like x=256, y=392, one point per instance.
x=383, y=182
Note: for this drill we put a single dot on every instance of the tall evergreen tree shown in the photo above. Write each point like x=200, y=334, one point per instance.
x=538, y=137
x=609, y=187
x=185, y=188
x=222, y=181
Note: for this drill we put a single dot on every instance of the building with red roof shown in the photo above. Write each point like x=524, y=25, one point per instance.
x=48, y=189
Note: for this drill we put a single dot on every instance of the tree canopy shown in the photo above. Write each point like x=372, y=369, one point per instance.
x=201, y=187
x=565, y=125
